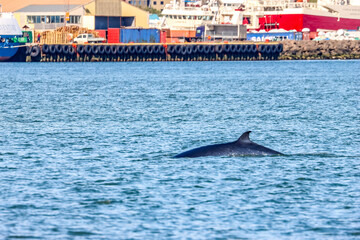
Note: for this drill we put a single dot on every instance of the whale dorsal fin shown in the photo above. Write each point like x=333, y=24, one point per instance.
x=244, y=138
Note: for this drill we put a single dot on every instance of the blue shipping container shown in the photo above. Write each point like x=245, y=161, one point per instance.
x=298, y=36
x=260, y=37
x=140, y=35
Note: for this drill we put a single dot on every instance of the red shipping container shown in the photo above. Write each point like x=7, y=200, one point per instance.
x=113, y=35
x=102, y=33
x=163, y=36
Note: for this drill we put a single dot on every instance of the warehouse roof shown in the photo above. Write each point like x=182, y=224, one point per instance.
x=47, y=8
x=14, y=5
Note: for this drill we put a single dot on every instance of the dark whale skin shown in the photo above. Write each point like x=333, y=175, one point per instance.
x=242, y=147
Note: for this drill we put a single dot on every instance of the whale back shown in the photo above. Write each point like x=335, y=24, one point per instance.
x=242, y=146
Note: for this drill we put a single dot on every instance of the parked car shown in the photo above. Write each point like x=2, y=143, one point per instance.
x=88, y=38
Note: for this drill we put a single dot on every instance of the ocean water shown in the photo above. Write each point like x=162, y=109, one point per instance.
x=86, y=150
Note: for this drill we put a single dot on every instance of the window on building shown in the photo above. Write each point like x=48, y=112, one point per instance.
x=75, y=19
x=51, y=19
x=154, y=3
x=162, y=3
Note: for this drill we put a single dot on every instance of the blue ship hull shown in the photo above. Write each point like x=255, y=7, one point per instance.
x=9, y=31
x=6, y=52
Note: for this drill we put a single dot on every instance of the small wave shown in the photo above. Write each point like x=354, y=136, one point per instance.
x=22, y=237
x=80, y=233
x=323, y=155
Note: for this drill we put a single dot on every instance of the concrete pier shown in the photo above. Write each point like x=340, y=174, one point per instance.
x=234, y=51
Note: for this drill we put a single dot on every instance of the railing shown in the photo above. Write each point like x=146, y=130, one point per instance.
x=177, y=7
x=51, y=26
x=277, y=5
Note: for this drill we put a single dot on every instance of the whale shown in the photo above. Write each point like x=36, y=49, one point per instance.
x=241, y=147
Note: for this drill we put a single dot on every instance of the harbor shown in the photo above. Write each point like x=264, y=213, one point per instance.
x=90, y=31
x=129, y=119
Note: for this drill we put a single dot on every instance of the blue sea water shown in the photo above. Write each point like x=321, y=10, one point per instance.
x=86, y=150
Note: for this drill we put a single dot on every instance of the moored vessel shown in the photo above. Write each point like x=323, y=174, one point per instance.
x=266, y=15
x=9, y=34
x=299, y=14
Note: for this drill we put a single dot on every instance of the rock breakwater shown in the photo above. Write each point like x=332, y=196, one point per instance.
x=330, y=49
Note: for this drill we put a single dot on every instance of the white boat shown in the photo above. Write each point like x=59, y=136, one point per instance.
x=300, y=14
x=179, y=15
x=9, y=32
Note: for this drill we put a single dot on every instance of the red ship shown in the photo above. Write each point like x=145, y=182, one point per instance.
x=297, y=15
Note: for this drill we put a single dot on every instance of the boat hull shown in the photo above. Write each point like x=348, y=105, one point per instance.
x=7, y=52
x=313, y=22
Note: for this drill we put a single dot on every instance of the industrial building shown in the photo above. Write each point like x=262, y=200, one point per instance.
x=41, y=15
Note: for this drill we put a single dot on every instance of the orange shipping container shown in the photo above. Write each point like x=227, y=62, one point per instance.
x=172, y=40
x=182, y=33
x=313, y=35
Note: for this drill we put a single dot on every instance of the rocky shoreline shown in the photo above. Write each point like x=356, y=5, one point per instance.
x=329, y=49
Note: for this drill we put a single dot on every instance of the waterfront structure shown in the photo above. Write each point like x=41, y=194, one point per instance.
x=265, y=15
x=159, y=4
x=297, y=15
x=42, y=15
x=50, y=17
x=10, y=33
x=155, y=4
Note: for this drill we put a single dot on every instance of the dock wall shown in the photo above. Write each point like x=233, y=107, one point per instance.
x=239, y=51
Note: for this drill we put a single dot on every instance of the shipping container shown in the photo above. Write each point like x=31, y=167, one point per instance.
x=182, y=33
x=131, y=35
x=102, y=33
x=298, y=36
x=113, y=35
x=313, y=35
x=273, y=36
x=172, y=40
x=163, y=36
